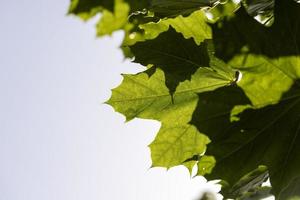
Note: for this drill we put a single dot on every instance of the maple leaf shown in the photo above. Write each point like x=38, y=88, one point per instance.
x=148, y=97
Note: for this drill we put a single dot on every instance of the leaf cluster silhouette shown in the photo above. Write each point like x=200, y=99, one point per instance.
x=222, y=77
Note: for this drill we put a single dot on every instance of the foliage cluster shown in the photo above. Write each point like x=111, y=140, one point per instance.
x=222, y=77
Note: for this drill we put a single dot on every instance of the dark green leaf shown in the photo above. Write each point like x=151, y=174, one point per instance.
x=242, y=33
x=266, y=136
x=177, y=57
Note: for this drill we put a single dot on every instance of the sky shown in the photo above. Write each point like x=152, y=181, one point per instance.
x=58, y=141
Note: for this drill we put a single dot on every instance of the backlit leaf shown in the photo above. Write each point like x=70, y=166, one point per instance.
x=148, y=97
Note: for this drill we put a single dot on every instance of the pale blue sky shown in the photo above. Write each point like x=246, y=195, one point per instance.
x=57, y=140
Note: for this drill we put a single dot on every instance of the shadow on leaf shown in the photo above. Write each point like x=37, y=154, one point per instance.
x=178, y=57
x=242, y=32
x=267, y=136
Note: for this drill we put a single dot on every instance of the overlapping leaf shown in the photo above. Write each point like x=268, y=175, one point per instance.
x=264, y=79
x=195, y=97
x=148, y=97
x=263, y=135
x=192, y=26
x=177, y=57
x=242, y=33
x=268, y=136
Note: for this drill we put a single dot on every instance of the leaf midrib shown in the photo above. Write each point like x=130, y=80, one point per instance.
x=167, y=94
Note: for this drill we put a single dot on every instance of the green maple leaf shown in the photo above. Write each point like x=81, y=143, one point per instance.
x=148, y=97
